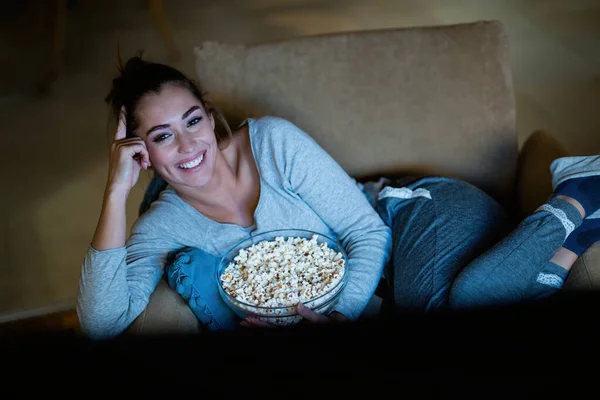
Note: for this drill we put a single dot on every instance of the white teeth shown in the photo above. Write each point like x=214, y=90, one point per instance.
x=192, y=164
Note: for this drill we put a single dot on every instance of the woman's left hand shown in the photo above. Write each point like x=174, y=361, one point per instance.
x=252, y=321
x=310, y=316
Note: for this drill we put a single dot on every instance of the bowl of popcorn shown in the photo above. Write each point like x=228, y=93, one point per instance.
x=269, y=274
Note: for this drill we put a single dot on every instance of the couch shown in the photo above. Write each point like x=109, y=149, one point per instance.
x=426, y=100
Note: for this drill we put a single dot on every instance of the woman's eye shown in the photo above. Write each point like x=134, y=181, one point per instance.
x=161, y=137
x=194, y=121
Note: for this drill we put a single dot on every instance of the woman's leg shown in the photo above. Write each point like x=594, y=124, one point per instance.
x=534, y=260
x=439, y=225
x=525, y=265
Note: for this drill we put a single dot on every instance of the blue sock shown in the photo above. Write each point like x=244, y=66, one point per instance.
x=585, y=190
x=583, y=237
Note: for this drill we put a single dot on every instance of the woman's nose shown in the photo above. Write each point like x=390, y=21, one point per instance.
x=186, y=143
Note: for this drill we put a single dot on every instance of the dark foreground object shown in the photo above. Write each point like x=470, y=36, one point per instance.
x=548, y=348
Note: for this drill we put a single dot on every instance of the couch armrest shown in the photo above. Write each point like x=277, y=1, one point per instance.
x=534, y=182
x=585, y=274
x=166, y=313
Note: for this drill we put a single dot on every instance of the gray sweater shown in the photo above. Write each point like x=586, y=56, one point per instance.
x=302, y=187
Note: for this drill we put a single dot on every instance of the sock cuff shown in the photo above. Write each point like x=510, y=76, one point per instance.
x=567, y=214
x=551, y=280
x=552, y=275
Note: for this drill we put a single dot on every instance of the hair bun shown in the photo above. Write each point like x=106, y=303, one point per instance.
x=133, y=65
x=121, y=85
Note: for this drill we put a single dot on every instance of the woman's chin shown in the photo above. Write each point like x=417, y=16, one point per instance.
x=194, y=180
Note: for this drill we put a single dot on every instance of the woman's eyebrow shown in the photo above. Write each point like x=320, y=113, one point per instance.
x=156, y=128
x=188, y=112
x=184, y=116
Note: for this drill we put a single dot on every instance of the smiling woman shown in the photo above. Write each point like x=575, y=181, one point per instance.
x=219, y=190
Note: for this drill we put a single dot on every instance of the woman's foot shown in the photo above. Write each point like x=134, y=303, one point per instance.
x=585, y=190
x=583, y=237
x=578, y=178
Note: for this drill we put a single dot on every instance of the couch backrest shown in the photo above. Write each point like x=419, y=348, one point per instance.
x=437, y=100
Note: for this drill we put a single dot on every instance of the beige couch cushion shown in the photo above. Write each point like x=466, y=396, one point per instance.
x=585, y=274
x=166, y=313
x=433, y=100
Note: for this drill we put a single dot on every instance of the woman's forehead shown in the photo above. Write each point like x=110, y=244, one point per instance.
x=171, y=101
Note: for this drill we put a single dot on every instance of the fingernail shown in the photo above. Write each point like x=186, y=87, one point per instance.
x=300, y=306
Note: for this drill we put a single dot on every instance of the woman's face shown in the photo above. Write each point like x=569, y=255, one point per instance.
x=179, y=136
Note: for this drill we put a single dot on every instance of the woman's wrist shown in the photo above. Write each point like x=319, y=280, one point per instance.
x=112, y=225
x=115, y=195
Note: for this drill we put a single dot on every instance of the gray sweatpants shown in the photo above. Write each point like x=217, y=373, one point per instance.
x=452, y=246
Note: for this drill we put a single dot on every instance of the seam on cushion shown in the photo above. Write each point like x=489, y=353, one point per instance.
x=143, y=321
x=587, y=272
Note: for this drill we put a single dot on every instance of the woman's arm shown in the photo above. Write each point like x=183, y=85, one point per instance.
x=116, y=284
x=127, y=157
x=320, y=181
x=111, y=292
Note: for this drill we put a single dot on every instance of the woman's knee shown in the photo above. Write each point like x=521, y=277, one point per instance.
x=464, y=294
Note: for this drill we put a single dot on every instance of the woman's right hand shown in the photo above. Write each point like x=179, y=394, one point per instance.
x=127, y=157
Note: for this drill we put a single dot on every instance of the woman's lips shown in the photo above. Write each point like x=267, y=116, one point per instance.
x=190, y=159
x=201, y=156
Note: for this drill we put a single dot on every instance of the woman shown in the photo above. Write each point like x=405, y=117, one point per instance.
x=268, y=174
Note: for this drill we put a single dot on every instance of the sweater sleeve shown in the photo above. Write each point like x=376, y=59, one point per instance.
x=116, y=284
x=334, y=196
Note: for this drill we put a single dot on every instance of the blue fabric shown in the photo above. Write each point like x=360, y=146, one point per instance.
x=585, y=190
x=583, y=237
x=193, y=275
x=451, y=247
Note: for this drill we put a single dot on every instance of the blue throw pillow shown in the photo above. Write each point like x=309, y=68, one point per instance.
x=192, y=273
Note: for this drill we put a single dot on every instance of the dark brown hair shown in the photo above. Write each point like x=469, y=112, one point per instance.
x=138, y=78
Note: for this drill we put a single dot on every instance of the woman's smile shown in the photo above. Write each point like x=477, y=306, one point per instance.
x=193, y=164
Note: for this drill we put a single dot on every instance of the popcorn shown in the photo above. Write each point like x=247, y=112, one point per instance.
x=282, y=273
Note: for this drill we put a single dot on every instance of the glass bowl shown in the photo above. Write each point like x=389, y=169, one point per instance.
x=284, y=315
